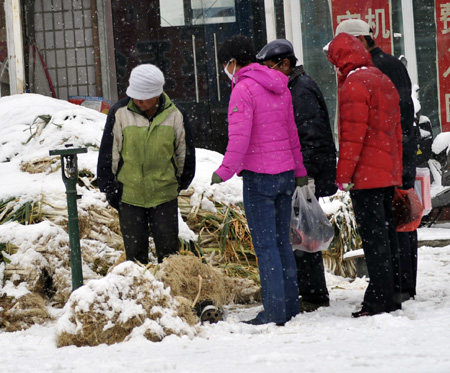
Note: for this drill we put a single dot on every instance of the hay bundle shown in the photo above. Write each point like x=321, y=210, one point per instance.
x=242, y=290
x=37, y=166
x=22, y=313
x=346, y=236
x=23, y=212
x=224, y=232
x=49, y=271
x=127, y=302
x=100, y=225
x=187, y=276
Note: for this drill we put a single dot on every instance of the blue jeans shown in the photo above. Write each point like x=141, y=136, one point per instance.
x=267, y=202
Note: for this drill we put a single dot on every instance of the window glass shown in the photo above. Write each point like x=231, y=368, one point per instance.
x=425, y=35
x=213, y=11
x=279, y=19
x=316, y=33
x=397, y=29
x=172, y=13
x=196, y=12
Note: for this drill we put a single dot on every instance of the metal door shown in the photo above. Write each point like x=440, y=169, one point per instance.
x=182, y=38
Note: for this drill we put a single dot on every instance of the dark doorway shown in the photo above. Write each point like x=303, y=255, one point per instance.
x=182, y=38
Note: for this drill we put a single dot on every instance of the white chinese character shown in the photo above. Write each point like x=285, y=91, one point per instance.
x=447, y=106
x=445, y=17
x=348, y=15
x=446, y=73
x=377, y=22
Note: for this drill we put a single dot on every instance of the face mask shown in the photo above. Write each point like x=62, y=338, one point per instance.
x=230, y=76
x=273, y=67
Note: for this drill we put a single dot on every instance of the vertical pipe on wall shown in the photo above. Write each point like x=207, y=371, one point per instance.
x=107, y=52
x=271, y=29
x=409, y=38
x=293, y=26
x=296, y=29
x=287, y=20
x=97, y=62
x=14, y=40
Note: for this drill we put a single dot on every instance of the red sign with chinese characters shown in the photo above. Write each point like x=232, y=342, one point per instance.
x=443, y=57
x=377, y=13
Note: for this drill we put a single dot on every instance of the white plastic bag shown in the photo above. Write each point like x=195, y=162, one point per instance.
x=310, y=228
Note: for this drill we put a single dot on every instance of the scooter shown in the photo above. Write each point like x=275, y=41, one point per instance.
x=434, y=155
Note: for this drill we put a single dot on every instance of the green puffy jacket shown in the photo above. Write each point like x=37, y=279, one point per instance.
x=145, y=159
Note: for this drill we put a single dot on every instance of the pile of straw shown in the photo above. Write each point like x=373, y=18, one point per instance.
x=346, y=237
x=128, y=301
x=188, y=276
x=21, y=313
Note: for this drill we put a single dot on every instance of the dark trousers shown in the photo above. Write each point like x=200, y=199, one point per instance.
x=311, y=277
x=376, y=225
x=407, y=242
x=135, y=223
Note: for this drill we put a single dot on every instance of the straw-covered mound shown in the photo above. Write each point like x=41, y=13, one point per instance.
x=127, y=302
x=187, y=276
x=21, y=313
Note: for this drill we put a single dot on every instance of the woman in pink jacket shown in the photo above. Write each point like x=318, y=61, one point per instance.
x=264, y=148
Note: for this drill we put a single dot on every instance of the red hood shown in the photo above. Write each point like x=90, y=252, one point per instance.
x=347, y=53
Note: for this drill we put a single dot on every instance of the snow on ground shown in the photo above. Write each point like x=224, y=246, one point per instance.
x=414, y=339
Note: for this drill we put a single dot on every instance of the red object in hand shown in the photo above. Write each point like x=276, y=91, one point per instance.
x=407, y=210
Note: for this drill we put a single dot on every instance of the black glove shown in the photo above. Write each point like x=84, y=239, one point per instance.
x=301, y=181
x=216, y=179
x=114, y=199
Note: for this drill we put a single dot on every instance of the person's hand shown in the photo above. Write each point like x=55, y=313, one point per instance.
x=114, y=199
x=345, y=186
x=301, y=181
x=215, y=179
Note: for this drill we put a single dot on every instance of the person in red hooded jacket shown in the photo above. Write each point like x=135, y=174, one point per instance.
x=370, y=165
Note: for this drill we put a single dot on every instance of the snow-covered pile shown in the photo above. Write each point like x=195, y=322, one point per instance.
x=30, y=126
x=35, y=252
x=127, y=302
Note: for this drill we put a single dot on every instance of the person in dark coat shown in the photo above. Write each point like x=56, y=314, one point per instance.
x=147, y=155
x=319, y=157
x=370, y=165
x=397, y=72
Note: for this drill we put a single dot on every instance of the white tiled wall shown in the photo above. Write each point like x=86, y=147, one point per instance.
x=63, y=33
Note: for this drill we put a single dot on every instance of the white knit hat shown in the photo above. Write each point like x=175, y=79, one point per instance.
x=146, y=81
x=354, y=27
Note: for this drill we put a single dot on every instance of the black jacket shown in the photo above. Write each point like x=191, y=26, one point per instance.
x=396, y=71
x=314, y=130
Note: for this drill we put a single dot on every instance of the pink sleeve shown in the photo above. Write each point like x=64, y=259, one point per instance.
x=240, y=122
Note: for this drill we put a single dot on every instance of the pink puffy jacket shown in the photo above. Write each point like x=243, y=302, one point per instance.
x=262, y=135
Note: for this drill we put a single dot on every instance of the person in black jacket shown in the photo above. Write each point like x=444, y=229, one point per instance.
x=147, y=155
x=319, y=157
x=397, y=72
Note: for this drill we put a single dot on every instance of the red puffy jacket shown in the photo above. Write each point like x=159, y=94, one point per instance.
x=370, y=134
